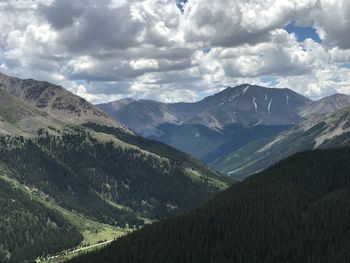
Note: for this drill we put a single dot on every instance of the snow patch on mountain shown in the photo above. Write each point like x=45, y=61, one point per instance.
x=234, y=95
x=287, y=100
x=255, y=105
x=269, y=106
x=245, y=90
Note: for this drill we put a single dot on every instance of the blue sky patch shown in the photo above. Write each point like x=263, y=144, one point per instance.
x=81, y=82
x=206, y=50
x=303, y=32
x=181, y=4
x=269, y=80
x=346, y=65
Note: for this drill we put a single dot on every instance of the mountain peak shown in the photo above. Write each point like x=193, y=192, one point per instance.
x=56, y=101
x=116, y=105
x=252, y=105
x=255, y=90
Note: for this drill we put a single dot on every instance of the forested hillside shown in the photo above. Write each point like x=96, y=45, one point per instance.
x=295, y=211
x=28, y=229
x=107, y=179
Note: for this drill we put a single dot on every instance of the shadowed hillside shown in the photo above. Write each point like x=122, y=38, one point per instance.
x=295, y=211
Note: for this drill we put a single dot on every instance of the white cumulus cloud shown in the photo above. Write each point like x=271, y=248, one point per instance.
x=110, y=49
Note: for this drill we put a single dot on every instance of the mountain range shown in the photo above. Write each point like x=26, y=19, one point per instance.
x=248, y=105
x=73, y=172
x=240, y=130
x=216, y=125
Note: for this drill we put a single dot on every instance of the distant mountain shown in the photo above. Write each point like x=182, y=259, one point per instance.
x=144, y=116
x=316, y=131
x=325, y=105
x=216, y=125
x=250, y=106
x=116, y=105
x=296, y=211
x=72, y=158
x=245, y=104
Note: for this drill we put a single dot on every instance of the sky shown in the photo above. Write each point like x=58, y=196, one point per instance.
x=175, y=50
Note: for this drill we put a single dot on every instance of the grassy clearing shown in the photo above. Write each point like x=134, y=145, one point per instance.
x=196, y=176
x=69, y=255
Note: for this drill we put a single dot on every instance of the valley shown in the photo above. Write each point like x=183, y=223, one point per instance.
x=95, y=180
x=87, y=173
x=217, y=125
x=240, y=130
x=174, y=131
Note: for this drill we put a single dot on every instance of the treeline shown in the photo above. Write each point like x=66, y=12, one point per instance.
x=296, y=211
x=158, y=148
x=29, y=230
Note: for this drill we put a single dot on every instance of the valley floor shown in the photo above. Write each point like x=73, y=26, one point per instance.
x=69, y=254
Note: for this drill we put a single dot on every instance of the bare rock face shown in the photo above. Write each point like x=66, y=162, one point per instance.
x=56, y=101
x=20, y=118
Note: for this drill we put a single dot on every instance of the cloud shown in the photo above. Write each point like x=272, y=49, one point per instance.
x=53, y=13
x=109, y=49
x=333, y=23
x=231, y=23
x=144, y=64
x=86, y=27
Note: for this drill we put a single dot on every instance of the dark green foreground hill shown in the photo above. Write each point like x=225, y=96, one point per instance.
x=296, y=211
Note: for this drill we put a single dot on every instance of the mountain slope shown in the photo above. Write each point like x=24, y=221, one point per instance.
x=325, y=131
x=55, y=101
x=209, y=144
x=20, y=118
x=110, y=182
x=296, y=211
x=326, y=105
x=28, y=229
